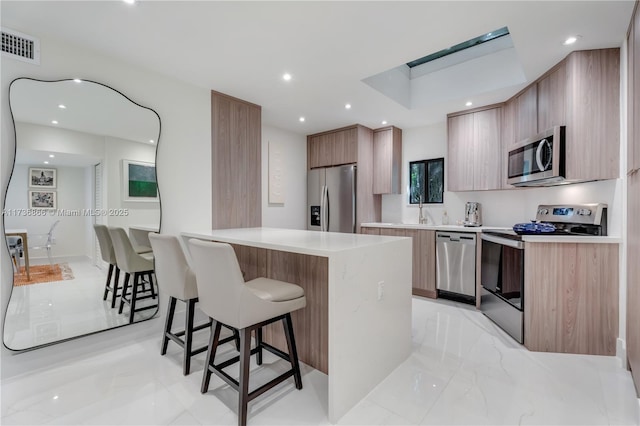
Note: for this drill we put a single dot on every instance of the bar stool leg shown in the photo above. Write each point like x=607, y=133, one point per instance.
x=243, y=382
x=106, y=286
x=167, y=327
x=134, y=294
x=188, y=336
x=115, y=287
x=259, y=345
x=211, y=355
x=124, y=291
x=293, y=352
x=153, y=290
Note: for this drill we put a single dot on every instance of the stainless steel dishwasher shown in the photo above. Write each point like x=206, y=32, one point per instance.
x=456, y=264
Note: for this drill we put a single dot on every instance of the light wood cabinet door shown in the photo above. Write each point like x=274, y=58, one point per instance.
x=313, y=152
x=508, y=139
x=633, y=277
x=634, y=148
x=370, y=231
x=387, y=160
x=552, y=99
x=344, y=147
x=571, y=298
x=424, y=262
x=393, y=232
x=593, y=115
x=460, y=153
x=526, y=114
x=487, y=150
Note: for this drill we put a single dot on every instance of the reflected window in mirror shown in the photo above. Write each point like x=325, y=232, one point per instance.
x=426, y=181
x=72, y=139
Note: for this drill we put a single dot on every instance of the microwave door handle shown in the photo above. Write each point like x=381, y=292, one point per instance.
x=541, y=144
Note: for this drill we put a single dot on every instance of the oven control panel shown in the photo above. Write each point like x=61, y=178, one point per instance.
x=588, y=214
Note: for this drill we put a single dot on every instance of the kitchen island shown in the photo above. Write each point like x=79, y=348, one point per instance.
x=356, y=327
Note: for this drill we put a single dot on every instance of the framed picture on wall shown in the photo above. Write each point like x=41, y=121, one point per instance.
x=42, y=178
x=139, y=181
x=42, y=200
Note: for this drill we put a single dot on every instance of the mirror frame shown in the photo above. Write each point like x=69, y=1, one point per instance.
x=6, y=246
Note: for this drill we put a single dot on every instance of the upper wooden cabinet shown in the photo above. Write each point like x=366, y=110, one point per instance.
x=593, y=115
x=333, y=148
x=387, y=160
x=633, y=95
x=474, y=150
x=552, y=99
x=526, y=114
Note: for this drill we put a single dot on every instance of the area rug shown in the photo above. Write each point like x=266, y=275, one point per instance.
x=43, y=274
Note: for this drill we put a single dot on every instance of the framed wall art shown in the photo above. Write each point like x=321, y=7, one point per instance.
x=139, y=181
x=42, y=199
x=42, y=178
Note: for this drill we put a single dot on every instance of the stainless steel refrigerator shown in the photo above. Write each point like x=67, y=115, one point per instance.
x=331, y=199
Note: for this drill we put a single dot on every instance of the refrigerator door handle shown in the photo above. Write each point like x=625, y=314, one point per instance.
x=327, y=208
x=322, y=208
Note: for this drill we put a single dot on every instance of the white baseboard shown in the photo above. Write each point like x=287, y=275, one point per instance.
x=621, y=352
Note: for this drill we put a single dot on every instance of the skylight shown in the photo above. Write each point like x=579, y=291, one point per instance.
x=460, y=46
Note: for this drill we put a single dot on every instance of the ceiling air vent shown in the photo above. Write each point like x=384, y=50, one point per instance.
x=20, y=46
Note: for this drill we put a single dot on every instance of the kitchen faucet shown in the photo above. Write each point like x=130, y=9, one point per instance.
x=421, y=218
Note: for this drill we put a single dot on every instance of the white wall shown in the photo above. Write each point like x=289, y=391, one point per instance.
x=70, y=233
x=499, y=208
x=292, y=213
x=184, y=153
x=139, y=212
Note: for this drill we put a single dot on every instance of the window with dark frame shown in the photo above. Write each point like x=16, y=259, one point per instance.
x=426, y=181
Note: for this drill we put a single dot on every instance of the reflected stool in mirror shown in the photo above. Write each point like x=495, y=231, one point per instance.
x=245, y=306
x=176, y=279
x=15, y=250
x=138, y=265
x=109, y=256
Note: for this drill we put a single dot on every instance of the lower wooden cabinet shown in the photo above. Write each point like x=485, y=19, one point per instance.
x=424, y=257
x=571, y=298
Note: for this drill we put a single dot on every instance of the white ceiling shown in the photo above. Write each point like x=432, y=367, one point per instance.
x=243, y=48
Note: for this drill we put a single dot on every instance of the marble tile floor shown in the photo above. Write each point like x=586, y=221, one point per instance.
x=41, y=313
x=462, y=370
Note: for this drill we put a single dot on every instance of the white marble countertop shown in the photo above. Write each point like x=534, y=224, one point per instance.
x=570, y=239
x=452, y=228
x=314, y=243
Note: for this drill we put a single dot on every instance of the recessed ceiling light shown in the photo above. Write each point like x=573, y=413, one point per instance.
x=469, y=103
x=347, y=106
x=77, y=80
x=384, y=121
x=570, y=40
x=54, y=121
x=150, y=140
x=129, y=1
x=52, y=156
x=46, y=162
x=61, y=106
x=286, y=76
x=301, y=119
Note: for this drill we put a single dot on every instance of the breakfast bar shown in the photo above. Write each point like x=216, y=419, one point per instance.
x=356, y=327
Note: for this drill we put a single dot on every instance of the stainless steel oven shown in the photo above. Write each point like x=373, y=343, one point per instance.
x=502, y=281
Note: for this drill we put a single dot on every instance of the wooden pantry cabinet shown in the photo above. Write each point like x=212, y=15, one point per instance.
x=571, y=298
x=474, y=150
x=333, y=148
x=387, y=160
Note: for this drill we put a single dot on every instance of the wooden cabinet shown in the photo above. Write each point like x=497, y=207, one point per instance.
x=387, y=160
x=593, y=115
x=423, y=258
x=551, y=98
x=424, y=262
x=474, y=150
x=633, y=200
x=525, y=124
x=236, y=144
x=571, y=298
x=333, y=148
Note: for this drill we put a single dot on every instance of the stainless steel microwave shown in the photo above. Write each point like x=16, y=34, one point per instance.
x=539, y=160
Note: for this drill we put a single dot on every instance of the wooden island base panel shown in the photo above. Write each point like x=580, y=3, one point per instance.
x=356, y=327
x=310, y=325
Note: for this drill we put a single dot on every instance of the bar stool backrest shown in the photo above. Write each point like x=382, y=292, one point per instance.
x=106, y=246
x=128, y=260
x=173, y=273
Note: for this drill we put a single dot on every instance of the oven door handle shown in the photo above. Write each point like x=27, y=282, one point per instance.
x=504, y=241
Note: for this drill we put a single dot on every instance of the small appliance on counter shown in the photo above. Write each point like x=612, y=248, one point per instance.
x=472, y=214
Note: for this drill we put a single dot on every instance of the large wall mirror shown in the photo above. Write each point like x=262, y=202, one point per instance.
x=85, y=155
